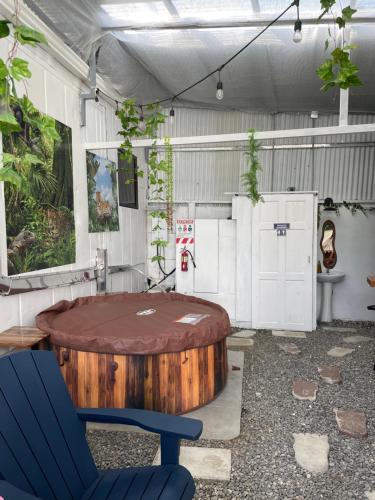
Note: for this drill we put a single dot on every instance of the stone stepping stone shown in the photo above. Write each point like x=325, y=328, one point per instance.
x=339, y=329
x=244, y=334
x=289, y=348
x=305, y=390
x=204, y=463
x=339, y=352
x=357, y=339
x=330, y=374
x=311, y=452
x=370, y=495
x=289, y=334
x=239, y=342
x=352, y=423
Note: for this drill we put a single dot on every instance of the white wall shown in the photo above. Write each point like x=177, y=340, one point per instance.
x=355, y=247
x=55, y=91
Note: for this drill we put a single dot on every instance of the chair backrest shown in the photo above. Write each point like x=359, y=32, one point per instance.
x=43, y=447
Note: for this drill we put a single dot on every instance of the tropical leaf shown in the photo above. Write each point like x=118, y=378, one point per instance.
x=19, y=69
x=28, y=36
x=8, y=124
x=4, y=28
x=8, y=174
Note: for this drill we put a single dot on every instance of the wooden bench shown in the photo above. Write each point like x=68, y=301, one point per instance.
x=18, y=338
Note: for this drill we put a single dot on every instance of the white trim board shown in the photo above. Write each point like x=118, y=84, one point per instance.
x=241, y=137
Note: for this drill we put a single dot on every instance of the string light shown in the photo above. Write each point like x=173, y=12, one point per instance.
x=297, y=37
x=171, y=115
x=141, y=115
x=219, y=89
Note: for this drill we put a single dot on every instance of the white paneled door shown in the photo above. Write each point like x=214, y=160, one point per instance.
x=283, y=262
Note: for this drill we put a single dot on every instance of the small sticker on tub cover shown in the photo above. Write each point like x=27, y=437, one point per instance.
x=146, y=312
x=192, y=319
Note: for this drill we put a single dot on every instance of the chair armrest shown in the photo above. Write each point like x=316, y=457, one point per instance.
x=9, y=492
x=153, y=421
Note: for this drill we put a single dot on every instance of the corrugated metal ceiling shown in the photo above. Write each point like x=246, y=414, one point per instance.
x=149, y=63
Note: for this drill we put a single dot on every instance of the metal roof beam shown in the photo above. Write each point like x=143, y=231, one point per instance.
x=261, y=23
x=240, y=137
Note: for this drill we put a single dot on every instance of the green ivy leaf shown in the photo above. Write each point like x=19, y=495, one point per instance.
x=8, y=124
x=157, y=258
x=4, y=28
x=3, y=70
x=28, y=36
x=340, y=22
x=9, y=159
x=8, y=174
x=325, y=70
x=19, y=69
x=347, y=14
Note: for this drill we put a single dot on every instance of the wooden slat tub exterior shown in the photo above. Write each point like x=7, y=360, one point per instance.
x=173, y=383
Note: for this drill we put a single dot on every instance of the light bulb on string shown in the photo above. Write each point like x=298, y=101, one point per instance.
x=171, y=116
x=297, y=37
x=219, y=89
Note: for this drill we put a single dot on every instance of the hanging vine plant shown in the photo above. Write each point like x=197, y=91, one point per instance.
x=338, y=70
x=18, y=114
x=135, y=124
x=353, y=207
x=250, y=178
x=169, y=183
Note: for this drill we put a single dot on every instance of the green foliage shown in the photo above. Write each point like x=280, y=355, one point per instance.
x=160, y=171
x=353, y=207
x=169, y=182
x=19, y=69
x=338, y=70
x=4, y=28
x=250, y=179
x=28, y=36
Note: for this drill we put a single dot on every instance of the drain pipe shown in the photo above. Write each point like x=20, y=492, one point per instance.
x=92, y=94
x=314, y=116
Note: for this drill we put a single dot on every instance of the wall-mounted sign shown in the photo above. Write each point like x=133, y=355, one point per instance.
x=184, y=231
x=281, y=228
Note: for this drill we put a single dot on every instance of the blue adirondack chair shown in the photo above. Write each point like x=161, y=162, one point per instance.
x=43, y=448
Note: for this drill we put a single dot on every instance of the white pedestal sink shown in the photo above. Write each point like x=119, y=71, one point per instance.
x=328, y=280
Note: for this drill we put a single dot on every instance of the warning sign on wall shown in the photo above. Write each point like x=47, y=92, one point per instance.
x=184, y=231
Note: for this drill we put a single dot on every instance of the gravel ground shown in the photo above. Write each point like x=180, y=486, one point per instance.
x=263, y=464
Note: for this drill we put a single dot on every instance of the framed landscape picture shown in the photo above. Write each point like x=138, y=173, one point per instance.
x=39, y=210
x=102, y=194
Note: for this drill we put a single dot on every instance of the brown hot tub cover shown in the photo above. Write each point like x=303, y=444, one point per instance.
x=110, y=323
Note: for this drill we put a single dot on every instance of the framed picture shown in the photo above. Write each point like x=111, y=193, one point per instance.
x=40, y=216
x=102, y=194
x=127, y=182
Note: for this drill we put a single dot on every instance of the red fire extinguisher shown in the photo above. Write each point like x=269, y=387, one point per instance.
x=184, y=260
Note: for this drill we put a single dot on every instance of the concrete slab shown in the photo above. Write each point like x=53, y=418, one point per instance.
x=239, y=342
x=339, y=329
x=221, y=418
x=370, y=495
x=305, y=390
x=330, y=374
x=339, y=352
x=289, y=334
x=311, y=452
x=352, y=423
x=244, y=334
x=204, y=463
x=357, y=339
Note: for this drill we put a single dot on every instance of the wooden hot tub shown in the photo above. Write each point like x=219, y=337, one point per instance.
x=131, y=350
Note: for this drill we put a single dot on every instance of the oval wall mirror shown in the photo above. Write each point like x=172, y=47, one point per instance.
x=327, y=244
